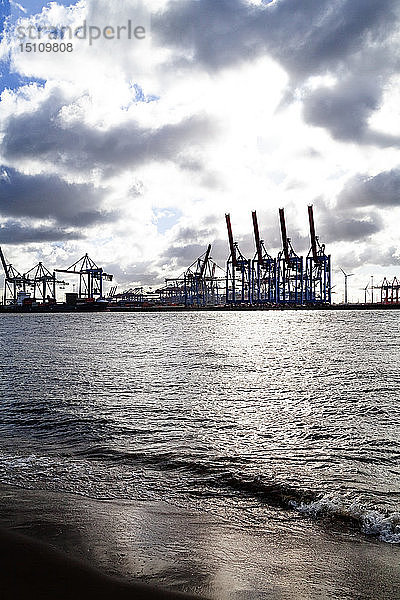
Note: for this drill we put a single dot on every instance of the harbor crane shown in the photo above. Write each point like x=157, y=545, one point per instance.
x=37, y=284
x=91, y=277
x=318, y=288
x=14, y=282
x=42, y=283
x=197, y=286
x=238, y=272
x=263, y=270
x=290, y=269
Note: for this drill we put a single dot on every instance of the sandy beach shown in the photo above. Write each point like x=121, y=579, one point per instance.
x=35, y=570
x=184, y=551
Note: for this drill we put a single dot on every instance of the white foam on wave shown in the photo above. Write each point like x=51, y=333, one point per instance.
x=386, y=527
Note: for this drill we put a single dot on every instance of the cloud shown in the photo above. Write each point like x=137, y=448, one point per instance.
x=316, y=36
x=382, y=190
x=345, y=108
x=182, y=256
x=139, y=273
x=306, y=38
x=352, y=40
x=13, y=232
x=343, y=223
x=350, y=229
x=46, y=197
x=52, y=135
x=383, y=257
x=185, y=234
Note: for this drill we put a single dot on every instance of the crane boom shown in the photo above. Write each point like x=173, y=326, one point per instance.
x=312, y=233
x=284, y=235
x=205, y=262
x=3, y=262
x=257, y=236
x=230, y=237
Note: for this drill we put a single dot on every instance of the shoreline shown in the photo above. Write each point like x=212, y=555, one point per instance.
x=201, y=553
x=65, y=309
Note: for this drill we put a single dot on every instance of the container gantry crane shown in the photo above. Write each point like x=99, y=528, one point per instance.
x=238, y=272
x=263, y=270
x=42, y=283
x=318, y=289
x=289, y=289
x=197, y=286
x=14, y=282
x=91, y=277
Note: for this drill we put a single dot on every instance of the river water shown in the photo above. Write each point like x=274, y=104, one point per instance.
x=280, y=417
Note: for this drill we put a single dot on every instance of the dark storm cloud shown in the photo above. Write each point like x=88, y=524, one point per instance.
x=347, y=38
x=307, y=37
x=344, y=224
x=49, y=197
x=333, y=108
x=383, y=190
x=338, y=228
x=344, y=110
x=316, y=36
x=44, y=135
x=13, y=232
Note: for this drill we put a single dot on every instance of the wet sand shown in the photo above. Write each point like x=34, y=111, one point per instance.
x=185, y=551
x=35, y=570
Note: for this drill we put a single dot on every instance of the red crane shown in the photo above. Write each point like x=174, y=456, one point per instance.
x=284, y=235
x=257, y=237
x=230, y=237
x=312, y=234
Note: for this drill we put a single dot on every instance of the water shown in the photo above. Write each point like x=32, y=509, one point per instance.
x=277, y=417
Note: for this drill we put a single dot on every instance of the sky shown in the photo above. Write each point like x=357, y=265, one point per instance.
x=134, y=149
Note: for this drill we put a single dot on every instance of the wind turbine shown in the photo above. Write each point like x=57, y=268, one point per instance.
x=365, y=293
x=346, y=276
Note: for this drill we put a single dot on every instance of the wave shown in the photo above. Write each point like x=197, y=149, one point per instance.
x=212, y=478
x=384, y=526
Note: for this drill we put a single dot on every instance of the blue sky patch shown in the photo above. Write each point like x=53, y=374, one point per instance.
x=166, y=218
x=13, y=81
x=140, y=96
x=27, y=8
